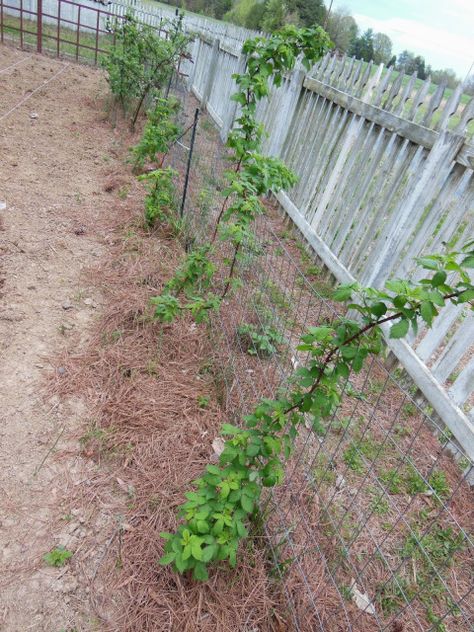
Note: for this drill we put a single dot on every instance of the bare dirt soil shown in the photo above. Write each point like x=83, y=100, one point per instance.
x=58, y=154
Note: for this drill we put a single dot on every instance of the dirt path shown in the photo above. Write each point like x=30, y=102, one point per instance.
x=56, y=151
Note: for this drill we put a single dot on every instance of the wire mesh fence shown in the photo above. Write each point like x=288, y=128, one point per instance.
x=372, y=526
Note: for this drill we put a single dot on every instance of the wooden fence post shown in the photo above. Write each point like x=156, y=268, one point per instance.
x=39, y=26
x=195, y=61
x=281, y=126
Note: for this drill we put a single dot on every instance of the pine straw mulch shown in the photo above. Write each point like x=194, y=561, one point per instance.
x=142, y=380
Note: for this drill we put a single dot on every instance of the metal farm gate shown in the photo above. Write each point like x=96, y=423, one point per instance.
x=59, y=27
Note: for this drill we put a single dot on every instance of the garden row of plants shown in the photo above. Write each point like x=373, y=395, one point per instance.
x=225, y=500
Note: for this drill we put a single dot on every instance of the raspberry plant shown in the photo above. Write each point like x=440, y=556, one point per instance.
x=262, y=340
x=141, y=61
x=159, y=133
x=253, y=174
x=226, y=497
x=160, y=203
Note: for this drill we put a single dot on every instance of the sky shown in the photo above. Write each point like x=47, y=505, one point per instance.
x=442, y=31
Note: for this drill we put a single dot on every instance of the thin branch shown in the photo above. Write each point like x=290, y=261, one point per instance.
x=231, y=271
x=357, y=335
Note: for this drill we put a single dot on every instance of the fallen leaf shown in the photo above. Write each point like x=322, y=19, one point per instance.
x=218, y=446
x=361, y=600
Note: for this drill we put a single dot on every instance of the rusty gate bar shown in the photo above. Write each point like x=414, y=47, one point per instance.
x=78, y=33
x=39, y=26
x=59, y=28
x=21, y=23
x=97, y=37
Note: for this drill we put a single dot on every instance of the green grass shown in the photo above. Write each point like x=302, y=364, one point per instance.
x=430, y=556
x=408, y=480
x=379, y=504
x=153, y=4
x=323, y=471
x=393, y=481
x=353, y=459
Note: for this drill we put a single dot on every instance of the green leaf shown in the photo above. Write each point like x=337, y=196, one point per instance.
x=241, y=530
x=247, y=503
x=228, y=429
x=167, y=559
x=253, y=449
x=427, y=312
x=208, y=552
x=468, y=262
x=436, y=297
x=57, y=557
x=225, y=489
x=200, y=572
x=342, y=370
x=428, y=263
x=400, y=329
x=358, y=362
x=343, y=293
x=468, y=295
x=439, y=278
x=196, y=550
x=213, y=469
x=180, y=563
x=187, y=552
x=348, y=352
x=378, y=309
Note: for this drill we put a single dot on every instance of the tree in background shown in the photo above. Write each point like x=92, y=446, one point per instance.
x=382, y=46
x=271, y=15
x=221, y=7
x=409, y=63
x=240, y=12
x=420, y=66
x=469, y=85
x=392, y=61
x=310, y=12
x=274, y=15
x=363, y=46
x=446, y=76
x=342, y=29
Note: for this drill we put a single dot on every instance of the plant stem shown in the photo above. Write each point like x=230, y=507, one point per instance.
x=357, y=335
x=224, y=204
x=231, y=271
